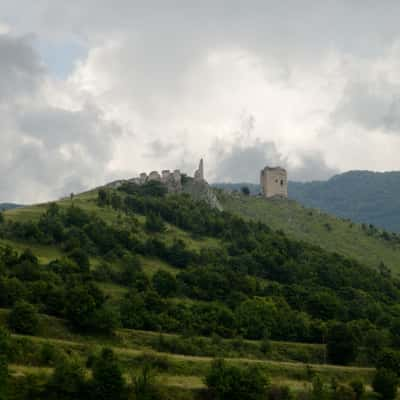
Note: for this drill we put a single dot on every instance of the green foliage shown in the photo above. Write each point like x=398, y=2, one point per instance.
x=319, y=390
x=3, y=377
x=232, y=383
x=86, y=309
x=81, y=259
x=154, y=223
x=279, y=393
x=385, y=383
x=245, y=190
x=341, y=344
x=389, y=360
x=164, y=283
x=344, y=392
x=67, y=381
x=255, y=316
x=107, y=382
x=23, y=318
x=358, y=388
x=144, y=385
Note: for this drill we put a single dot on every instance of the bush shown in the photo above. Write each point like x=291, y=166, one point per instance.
x=344, y=392
x=358, y=388
x=67, y=381
x=23, y=318
x=107, y=382
x=154, y=223
x=232, y=383
x=144, y=385
x=385, y=383
x=164, y=283
x=3, y=377
x=279, y=393
x=341, y=345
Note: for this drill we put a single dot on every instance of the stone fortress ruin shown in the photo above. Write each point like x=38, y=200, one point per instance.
x=273, y=182
x=171, y=179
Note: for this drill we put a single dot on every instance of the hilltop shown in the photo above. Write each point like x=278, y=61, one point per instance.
x=170, y=282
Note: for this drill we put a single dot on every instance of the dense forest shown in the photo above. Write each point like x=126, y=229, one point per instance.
x=253, y=283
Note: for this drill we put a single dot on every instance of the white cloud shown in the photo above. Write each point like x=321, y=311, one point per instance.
x=305, y=84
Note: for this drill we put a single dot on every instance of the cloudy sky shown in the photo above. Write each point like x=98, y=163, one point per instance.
x=95, y=90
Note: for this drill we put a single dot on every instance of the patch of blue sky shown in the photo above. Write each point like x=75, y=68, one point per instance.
x=60, y=57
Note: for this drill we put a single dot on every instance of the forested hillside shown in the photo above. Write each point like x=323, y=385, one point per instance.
x=90, y=285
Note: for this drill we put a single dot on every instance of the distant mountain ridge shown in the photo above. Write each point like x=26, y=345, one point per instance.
x=362, y=196
x=9, y=206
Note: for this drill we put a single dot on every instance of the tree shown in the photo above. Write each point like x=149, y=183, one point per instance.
x=154, y=223
x=255, y=316
x=144, y=385
x=358, y=388
x=23, y=318
x=3, y=377
x=385, y=383
x=232, y=383
x=107, y=382
x=164, y=283
x=103, y=198
x=67, y=381
x=341, y=344
x=344, y=392
x=81, y=259
x=245, y=190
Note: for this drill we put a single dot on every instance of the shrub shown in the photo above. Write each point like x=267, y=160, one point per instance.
x=279, y=393
x=358, y=388
x=154, y=223
x=67, y=381
x=341, y=345
x=164, y=283
x=144, y=385
x=344, y=392
x=107, y=382
x=385, y=383
x=232, y=383
x=23, y=318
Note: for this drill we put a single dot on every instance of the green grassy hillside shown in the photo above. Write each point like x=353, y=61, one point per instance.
x=364, y=243
x=168, y=283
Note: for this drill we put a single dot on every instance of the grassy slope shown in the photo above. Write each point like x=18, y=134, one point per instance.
x=184, y=371
x=176, y=370
x=331, y=233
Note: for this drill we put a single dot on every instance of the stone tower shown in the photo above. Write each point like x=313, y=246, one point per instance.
x=274, y=182
x=199, y=173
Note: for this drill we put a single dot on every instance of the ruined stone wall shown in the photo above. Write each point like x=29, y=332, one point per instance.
x=274, y=182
